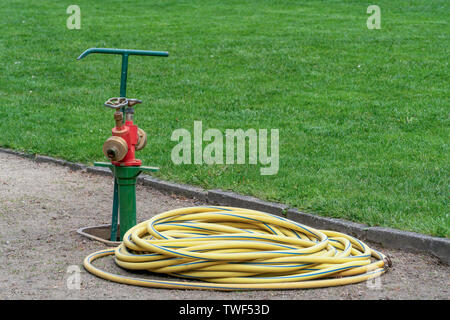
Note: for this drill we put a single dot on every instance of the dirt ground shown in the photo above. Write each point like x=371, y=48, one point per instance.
x=42, y=206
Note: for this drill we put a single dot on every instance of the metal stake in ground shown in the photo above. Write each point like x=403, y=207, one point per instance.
x=127, y=138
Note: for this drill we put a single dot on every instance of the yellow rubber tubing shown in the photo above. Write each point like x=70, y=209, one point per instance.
x=228, y=248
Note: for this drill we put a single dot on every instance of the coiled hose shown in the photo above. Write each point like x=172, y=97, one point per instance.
x=226, y=248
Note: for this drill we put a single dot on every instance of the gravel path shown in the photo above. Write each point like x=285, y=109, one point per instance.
x=42, y=206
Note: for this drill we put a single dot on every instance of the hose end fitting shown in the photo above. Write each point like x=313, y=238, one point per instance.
x=387, y=263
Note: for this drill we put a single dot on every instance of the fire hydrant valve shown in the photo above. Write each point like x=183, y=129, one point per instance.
x=134, y=138
x=120, y=148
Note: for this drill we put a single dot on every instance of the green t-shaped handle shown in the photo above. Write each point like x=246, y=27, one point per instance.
x=125, y=53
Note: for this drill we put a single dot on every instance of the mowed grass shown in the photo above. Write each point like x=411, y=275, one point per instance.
x=363, y=115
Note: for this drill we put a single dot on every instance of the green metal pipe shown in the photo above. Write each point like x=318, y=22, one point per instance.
x=126, y=180
x=123, y=80
x=115, y=212
x=127, y=204
x=125, y=198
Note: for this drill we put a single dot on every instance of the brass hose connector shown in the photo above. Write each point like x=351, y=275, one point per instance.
x=142, y=139
x=115, y=148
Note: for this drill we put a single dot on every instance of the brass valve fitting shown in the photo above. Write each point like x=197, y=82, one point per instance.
x=115, y=148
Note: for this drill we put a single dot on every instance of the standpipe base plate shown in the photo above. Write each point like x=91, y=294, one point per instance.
x=99, y=233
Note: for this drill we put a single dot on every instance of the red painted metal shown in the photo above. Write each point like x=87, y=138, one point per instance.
x=128, y=132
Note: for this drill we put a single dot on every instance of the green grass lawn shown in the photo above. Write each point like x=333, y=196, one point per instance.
x=363, y=115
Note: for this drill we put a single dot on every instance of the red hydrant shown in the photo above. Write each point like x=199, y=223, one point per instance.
x=127, y=137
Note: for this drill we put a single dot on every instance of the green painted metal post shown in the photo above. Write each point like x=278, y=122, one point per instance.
x=123, y=76
x=126, y=178
x=116, y=198
x=115, y=211
x=126, y=181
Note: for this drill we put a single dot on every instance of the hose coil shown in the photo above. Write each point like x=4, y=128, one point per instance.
x=227, y=248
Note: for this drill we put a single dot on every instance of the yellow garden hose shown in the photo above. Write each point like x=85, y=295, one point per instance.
x=226, y=248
